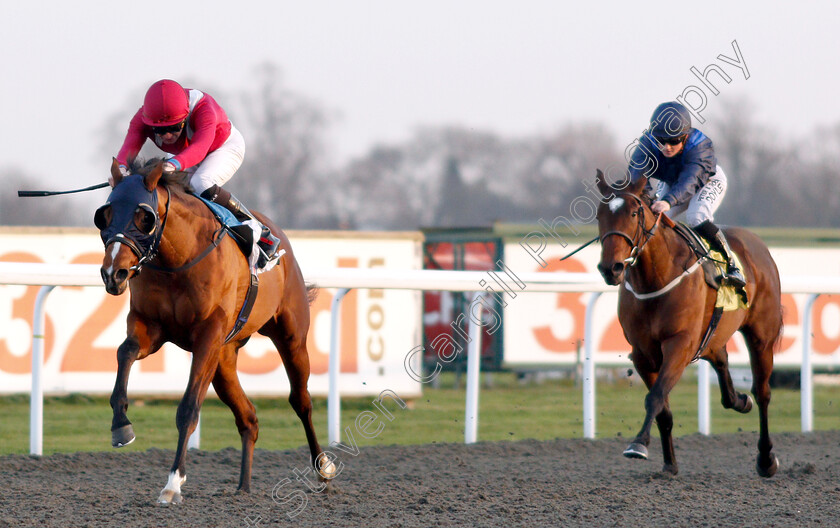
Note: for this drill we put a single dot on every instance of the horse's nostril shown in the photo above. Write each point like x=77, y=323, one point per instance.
x=121, y=275
x=617, y=268
x=104, y=275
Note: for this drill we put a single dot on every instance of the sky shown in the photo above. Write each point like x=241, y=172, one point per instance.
x=383, y=68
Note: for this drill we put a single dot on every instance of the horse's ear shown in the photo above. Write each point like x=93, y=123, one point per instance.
x=637, y=186
x=602, y=184
x=151, y=179
x=116, y=175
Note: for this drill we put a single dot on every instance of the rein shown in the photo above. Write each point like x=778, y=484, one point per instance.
x=636, y=247
x=578, y=249
x=151, y=253
x=636, y=250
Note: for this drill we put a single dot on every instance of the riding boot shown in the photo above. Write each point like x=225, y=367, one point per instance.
x=268, y=243
x=713, y=234
x=733, y=273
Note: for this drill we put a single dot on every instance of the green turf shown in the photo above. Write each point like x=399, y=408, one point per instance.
x=509, y=410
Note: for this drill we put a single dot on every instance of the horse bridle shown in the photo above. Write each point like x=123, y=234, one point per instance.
x=152, y=251
x=636, y=247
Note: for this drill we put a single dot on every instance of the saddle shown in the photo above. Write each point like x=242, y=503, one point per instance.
x=246, y=236
x=245, y=233
x=712, y=261
x=713, y=264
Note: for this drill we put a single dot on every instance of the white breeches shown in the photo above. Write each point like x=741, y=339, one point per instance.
x=220, y=165
x=703, y=204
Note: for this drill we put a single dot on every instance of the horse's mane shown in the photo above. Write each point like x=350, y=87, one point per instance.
x=176, y=180
x=621, y=187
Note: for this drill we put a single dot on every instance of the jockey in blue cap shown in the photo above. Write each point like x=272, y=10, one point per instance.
x=683, y=160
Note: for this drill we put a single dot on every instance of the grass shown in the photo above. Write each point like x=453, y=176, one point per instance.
x=508, y=410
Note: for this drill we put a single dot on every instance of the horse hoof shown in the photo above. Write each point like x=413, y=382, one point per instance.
x=770, y=469
x=636, y=450
x=168, y=497
x=123, y=436
x=325, y=468
x=670, y=469
x=748, y=404
x=327, y=471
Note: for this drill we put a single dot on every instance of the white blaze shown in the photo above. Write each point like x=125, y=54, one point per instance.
x=114, y=251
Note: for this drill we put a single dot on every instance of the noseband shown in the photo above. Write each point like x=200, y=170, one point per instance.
x=641, y=237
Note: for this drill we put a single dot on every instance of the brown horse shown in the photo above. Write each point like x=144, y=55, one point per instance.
x=193, y=283
x=665, y=307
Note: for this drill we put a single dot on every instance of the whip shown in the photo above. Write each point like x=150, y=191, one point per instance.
x=25, y=194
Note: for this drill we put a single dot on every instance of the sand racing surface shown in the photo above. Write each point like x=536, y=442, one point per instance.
x=525, y=483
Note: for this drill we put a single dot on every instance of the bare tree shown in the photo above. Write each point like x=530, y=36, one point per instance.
x=760, y=169
x=285, y=148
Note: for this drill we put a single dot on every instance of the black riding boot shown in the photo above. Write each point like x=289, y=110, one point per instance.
x=268, y=243
x=714, y=234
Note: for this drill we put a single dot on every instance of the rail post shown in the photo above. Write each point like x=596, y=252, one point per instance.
x=589, y=370
x=334, y=397
x=36, y=396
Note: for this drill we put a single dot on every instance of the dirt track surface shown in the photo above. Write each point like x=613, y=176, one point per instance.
x=527, y=483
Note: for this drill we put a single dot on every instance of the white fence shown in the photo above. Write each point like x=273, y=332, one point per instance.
x=49, y=276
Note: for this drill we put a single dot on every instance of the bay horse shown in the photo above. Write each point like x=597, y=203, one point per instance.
x=665, y=307
x=194, y=280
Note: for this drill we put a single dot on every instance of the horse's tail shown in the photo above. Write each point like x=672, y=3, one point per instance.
x=311, y=292
x=777, y=343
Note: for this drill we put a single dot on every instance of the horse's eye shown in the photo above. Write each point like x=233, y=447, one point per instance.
x=144, y=220
x=102, y=217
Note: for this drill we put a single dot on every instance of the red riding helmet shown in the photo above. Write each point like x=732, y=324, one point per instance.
x=166, y=103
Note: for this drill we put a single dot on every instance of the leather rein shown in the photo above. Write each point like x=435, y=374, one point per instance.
x=151, y=253
x=642, y=235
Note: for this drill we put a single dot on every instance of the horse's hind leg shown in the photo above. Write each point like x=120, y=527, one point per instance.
x=291, y=344
x=730, y=398
x=226, y=383
x=761, y=361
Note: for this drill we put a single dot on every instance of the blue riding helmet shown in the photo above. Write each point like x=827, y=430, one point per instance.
x=133, y=216
x=670, y=120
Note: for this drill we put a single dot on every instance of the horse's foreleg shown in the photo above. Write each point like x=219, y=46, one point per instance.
x=204, y=364
x=646, y=370
x=665, y=423
x=142, y=340
x=656, y=401
x=122, y=433
x=729, y=397
x=227, y=386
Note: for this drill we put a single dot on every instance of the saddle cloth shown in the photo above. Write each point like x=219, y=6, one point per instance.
x=714, y=264
x=246, y=234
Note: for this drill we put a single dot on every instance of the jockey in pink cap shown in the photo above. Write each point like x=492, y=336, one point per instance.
x=196, y=132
